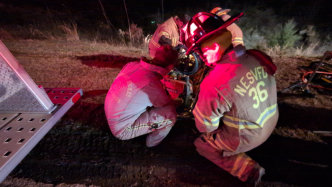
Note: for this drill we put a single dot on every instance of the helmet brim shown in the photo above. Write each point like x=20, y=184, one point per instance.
x=220, y=29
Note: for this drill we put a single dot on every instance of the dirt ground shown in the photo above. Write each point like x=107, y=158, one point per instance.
x=81, y=151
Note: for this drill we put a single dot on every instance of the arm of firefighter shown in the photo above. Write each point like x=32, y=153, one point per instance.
x=157, y=94
x=207, y=111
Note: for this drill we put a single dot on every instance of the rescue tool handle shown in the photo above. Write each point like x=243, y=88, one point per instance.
x=327, y=55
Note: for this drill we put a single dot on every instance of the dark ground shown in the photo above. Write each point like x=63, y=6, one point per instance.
x=80, y=154
x=81, y=150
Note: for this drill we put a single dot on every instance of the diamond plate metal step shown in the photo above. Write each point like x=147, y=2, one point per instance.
x=20, y=132
x=18, y=92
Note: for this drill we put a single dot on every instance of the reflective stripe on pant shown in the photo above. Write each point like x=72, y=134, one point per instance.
x=239, y=165
x=156, y=121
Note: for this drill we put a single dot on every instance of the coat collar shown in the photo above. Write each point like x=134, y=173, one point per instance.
x=234, y=54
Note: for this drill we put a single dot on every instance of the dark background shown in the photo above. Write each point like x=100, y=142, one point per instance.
x=148, y=13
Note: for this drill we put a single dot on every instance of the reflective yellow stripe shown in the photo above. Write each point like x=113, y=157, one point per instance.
x=326, y=80
x=237, y=38
x=223, y=143
x=250, y=126
x=266, y=115
x=208, y=121
x=155, y=43
x=231, y=124
x=220, y=147
x=212, y=144
x=236, y=164
x=174, y=41
x=148, y=124
x=235, y=42
x=215, y=122
x=242, y=124
x=221, y=13
x=164, y=34
x=232, y=118
x=199, y=118
x=243, y=167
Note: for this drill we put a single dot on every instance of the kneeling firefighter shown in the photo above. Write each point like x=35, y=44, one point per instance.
x=137, y=104
x=236, y=109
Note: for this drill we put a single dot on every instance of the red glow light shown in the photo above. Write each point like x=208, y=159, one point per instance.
x=212, y=53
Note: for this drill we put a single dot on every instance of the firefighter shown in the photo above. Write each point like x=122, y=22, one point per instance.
x=236, y=109
x=168, y=33
x=137, y=104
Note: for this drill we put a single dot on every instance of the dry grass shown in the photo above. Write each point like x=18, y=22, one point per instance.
x=274, y=51
x=11, y=181
x=298, y=134
x=310, y=50
x=70, y=30
x=54, y=63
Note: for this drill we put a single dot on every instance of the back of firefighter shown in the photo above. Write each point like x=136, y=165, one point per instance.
x=239, y=97
x=168, y=33
x=236, y=109
x=137, y=104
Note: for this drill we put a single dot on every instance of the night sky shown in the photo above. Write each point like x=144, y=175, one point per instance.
x=145, y=12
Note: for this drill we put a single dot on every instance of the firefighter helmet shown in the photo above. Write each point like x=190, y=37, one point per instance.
x=202, y=26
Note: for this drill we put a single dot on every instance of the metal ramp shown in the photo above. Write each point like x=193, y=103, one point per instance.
x=27, y=112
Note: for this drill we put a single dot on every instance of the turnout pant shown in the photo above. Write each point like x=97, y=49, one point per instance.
x=156, y=122
x=211, y=146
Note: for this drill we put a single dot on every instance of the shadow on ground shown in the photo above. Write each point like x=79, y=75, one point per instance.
x=309, y=118
x=81, y=149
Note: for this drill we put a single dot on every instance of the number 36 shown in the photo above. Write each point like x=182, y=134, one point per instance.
x=258, y=94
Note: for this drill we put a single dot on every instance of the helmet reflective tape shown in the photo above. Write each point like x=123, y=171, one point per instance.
x=219, y=11
x=237, y=40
